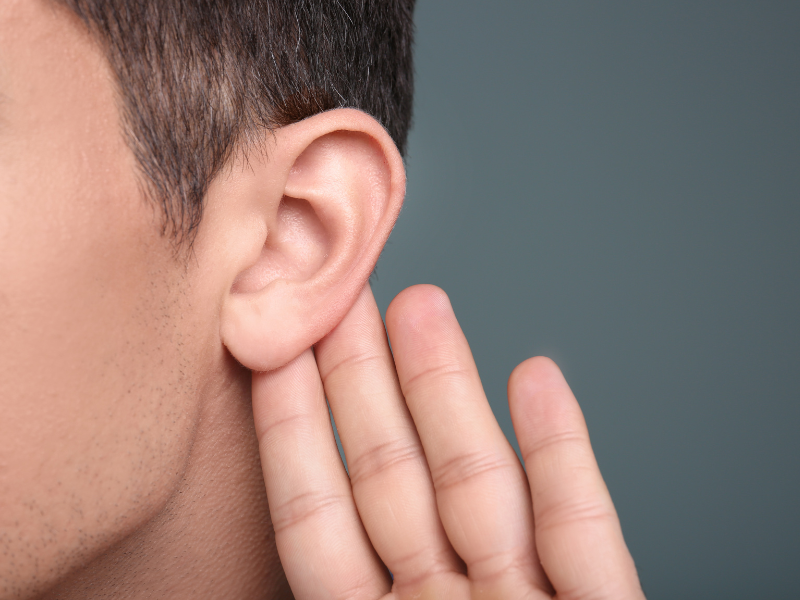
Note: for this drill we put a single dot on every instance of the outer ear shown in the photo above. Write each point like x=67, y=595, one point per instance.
x=305, y=223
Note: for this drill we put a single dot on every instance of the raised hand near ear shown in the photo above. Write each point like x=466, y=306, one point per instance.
x=435, y=494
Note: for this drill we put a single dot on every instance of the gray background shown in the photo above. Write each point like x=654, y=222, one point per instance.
x=617, y=185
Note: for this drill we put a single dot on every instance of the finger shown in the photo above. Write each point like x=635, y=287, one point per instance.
x=578, y=533
x=323, y=548
x=482, y=494
x=388, y=472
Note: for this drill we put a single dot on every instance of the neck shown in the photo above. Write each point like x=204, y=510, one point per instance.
x=214, y=537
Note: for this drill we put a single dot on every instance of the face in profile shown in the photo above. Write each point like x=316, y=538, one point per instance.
x=124, y=350
x=101, y=326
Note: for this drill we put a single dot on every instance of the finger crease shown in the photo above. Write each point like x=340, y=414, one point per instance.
x=352, y=361
x=304, y=507
x=464, y=468
x=559, y=515
x=555, y=440
x=383, y=457
x=446, y=371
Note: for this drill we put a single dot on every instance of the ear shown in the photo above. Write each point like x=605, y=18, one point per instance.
x=302, y=226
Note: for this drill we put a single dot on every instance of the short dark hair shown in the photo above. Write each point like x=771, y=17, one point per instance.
x=196, y=77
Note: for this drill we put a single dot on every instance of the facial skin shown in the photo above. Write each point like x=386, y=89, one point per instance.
x=127, y=428
x=107, y=362
x=149, y=392
x=96, y=374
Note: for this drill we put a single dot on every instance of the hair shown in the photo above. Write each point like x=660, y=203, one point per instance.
x=201, y=79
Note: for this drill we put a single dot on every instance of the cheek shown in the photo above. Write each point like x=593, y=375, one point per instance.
x=99, y=351
x=100, y=345
x=97, y=371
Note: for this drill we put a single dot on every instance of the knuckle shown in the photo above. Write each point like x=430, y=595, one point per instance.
x=363, y=587
x=266, y=430
x=558, y=443
x=415, y=567
x=467, y=467
x=446, y=372
x=363, y=359
x=302, y=508
x=392, y=454
x=499, y=564
x=593, y=590
x=581, y=512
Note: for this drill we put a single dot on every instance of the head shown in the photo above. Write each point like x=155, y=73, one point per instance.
x=188, y=190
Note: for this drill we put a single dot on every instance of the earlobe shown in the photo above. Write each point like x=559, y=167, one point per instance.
x=340, y=183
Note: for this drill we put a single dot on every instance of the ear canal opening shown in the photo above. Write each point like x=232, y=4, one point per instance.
x=296, y=247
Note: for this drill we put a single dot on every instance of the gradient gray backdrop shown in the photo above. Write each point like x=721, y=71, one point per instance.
x=617, y=185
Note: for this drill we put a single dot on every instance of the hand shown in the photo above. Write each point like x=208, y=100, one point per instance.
x=435, y=492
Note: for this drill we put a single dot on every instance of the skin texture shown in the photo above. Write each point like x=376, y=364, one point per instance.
x=129, y=465
x=110, y=378
x=434, y=491
x=157, y=402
